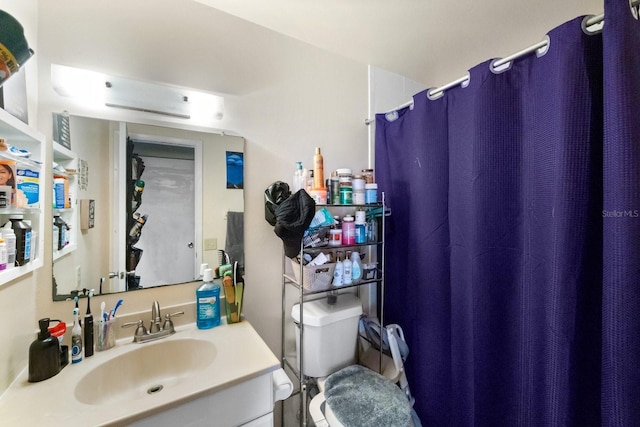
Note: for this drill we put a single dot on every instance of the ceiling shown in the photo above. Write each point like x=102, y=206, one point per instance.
x=237, y=46
x=429, y=41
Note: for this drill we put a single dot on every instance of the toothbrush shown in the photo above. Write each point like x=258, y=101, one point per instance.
x=77, y=308
x=112, y=314
x=88, y=328
x=103, y=315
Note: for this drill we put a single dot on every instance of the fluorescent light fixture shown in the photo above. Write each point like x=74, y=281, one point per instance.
x=96, y=89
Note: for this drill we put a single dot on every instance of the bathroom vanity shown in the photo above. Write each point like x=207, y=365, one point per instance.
x=225, y=376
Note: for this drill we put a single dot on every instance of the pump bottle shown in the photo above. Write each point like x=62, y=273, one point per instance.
x=44, y=354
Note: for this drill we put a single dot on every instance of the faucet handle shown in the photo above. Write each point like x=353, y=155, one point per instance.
x=140, y=330
x=168, y=323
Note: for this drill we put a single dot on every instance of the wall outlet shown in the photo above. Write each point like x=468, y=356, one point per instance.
x=78, y=277
x=210, y=244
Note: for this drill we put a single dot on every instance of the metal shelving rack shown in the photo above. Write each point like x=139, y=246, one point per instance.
x=289, y=358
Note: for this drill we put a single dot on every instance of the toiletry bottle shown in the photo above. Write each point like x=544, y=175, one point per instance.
x=361, y=229
x=56, y=236
x=88, y=328
x=208, y=302
x=23, y=239
x=44, y=354
x=3, y=255
x=309, y=183
x=338, y=272
x=62, y=231
x=298, y=178
x=347, y=265
x=356, y=267
x=76, y=338
x=318, y=169
x=348, y=230
x=335, y=188
x=10, y=240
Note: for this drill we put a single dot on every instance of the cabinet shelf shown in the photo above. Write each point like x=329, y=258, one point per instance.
x=57, y=254
x=292, y=281
x=20, y=211
x=22, y=136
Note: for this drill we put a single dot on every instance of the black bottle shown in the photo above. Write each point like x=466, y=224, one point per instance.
x=44, y=354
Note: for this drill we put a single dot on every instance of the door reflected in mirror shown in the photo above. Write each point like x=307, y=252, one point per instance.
x=159, y=195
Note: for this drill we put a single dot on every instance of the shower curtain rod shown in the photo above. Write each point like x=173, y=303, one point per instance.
x=437, y=92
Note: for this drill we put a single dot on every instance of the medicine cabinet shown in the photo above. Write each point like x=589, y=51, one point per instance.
x=24, y=138
x=67, y=162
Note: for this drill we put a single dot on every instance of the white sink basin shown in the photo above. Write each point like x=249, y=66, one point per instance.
x=224, y=373
x=150, y=369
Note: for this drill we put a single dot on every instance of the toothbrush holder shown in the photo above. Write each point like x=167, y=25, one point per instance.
x=104, y=334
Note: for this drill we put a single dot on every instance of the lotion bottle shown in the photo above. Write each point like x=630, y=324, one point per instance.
x=208, y=302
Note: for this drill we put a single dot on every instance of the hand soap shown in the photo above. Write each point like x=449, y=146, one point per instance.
x=208, y=302
x=44, y=354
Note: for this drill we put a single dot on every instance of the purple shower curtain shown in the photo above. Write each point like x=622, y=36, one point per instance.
x=621, y=212
x=497, y=243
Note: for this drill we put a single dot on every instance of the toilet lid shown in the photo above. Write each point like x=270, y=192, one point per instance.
x=359, y=396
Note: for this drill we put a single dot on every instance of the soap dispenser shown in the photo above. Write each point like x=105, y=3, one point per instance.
x=44, y=354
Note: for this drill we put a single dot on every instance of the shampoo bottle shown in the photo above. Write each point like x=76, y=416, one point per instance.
x=208, y=302
x=76, y=338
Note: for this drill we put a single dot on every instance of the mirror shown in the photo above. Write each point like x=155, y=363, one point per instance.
x=192, y=203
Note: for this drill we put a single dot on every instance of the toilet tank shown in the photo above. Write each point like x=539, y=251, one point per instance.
x=330, y=334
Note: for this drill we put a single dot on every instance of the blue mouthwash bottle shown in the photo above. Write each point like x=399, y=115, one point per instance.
x=208, y=302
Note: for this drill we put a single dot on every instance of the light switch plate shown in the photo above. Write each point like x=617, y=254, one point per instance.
x=210, y=244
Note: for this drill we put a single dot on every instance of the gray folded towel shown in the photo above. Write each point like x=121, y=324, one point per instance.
x=359, y=396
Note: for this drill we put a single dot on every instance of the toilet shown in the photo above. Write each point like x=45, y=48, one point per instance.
x=330, y=334
x=330, y=355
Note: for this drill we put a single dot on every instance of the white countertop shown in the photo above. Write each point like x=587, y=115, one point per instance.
x=241, y=355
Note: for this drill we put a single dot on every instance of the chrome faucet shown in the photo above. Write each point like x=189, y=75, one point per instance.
x=157, y=329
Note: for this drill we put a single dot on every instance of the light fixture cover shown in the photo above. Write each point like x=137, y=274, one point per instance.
x=113, y=91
